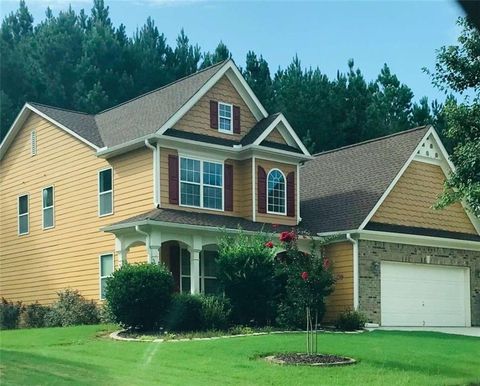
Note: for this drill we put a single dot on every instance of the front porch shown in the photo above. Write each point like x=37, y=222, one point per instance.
x=188, y=253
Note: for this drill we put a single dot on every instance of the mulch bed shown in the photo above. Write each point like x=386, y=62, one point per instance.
x=310, y=360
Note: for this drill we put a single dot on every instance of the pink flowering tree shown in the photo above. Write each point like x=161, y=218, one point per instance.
x=308, y=280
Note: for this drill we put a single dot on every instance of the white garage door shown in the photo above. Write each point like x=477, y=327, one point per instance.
x=424, y=295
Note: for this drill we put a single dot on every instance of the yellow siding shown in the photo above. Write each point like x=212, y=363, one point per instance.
x=285, y=168
x=275, y=136
x=341, y=256
x=35, y=266
x=197, y=120
x=410, y=202
x=242, y=202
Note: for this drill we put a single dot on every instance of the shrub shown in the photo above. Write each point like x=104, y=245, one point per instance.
x=216, y=312
x=72, y=309
x=139, y=295
x=186, y=314
x=351, y=320
x=246, y=272
x=106, y=314
x=34, y=315
x=9, y=314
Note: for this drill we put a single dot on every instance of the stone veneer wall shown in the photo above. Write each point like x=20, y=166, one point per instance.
x=371, y=253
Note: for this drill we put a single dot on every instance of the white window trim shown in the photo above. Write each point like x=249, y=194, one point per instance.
x=23, y=214
x=202, y=272
x=107, y=191
x=284, y=213
x=201, y=184
x=48, y=207
x=33, y=142
x=100, y=271
x=231, y=118
x=202, y=275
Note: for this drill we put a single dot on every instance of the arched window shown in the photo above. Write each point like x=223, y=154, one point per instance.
x=276, y=192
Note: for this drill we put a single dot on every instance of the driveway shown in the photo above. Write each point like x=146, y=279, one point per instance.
x=467, y=331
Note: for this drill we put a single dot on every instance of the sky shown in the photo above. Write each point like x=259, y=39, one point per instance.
x=403, y=34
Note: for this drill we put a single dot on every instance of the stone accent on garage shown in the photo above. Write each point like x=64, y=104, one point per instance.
x=371, y=253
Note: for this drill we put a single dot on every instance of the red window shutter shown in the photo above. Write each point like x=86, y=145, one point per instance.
x=214, y=114
x=228, y=188
x=236, y=119
x=291, y=194
x=173, y=179
x=262, y=190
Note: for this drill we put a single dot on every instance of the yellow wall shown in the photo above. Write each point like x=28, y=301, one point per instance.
x=410, y=202
x=341, y=257
x=197, y=120
x=275, y=136
x=35, y=266
x=286, y=169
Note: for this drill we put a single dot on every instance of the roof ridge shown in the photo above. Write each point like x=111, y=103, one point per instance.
x=59, y=108
x=164, y=86
x=372, y=140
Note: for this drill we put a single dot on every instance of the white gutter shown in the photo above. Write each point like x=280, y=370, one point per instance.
x=355, y=270
x=156, y=174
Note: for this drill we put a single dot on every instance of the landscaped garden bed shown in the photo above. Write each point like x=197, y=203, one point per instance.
x=310, y=359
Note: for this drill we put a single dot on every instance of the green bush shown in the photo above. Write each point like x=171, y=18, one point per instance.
x=106, y=314
x=351, y=320
x=34, y=315
x=216, y=312
x=139, y=295
x=9, y=314
x=246, y=273
x=71, y=309
x=186, y=314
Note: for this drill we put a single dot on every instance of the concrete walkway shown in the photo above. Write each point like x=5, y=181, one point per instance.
x=467, y=331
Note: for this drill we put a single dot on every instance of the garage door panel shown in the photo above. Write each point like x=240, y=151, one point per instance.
x=423, y=295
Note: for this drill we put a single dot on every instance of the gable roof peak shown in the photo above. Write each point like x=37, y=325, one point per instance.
x=368, y=141
x=186, y=77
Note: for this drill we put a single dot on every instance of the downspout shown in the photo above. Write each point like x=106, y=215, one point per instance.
x=147, y=241
x=156, y=176
x=355, y=270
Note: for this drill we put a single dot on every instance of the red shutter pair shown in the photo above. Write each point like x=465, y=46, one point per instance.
x=214, y=117
x=262, y=192
x=173, y=188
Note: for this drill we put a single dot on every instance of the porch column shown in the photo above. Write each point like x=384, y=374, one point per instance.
x=154, y=254
x=120, y=251
x=195, y=271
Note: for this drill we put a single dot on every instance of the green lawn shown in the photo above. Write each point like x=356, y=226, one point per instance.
x=84, y=356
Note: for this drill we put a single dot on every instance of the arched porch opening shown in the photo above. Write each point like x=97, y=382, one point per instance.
x=193, y=271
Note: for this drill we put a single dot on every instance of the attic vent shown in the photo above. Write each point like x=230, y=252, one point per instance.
x=33, y=140
x=430, y=149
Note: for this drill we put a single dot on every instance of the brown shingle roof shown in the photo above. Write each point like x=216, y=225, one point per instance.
x=135, y=118
x=82, y=124
x=145, y=114
x=202, y=219
x=339, y=188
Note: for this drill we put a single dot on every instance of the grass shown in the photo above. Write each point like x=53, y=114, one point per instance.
x=85, y=356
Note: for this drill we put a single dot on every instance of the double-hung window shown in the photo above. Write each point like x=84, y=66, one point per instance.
x=208, y=272
x=48, y=208
x=201, y=183
x=225, y=117
x=105, y=192
x=23, y=222
x=106, y=270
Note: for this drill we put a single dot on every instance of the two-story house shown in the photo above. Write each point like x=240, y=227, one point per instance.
x=160, y=177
